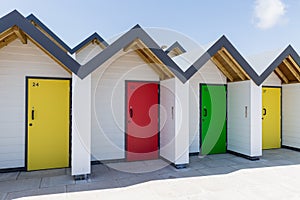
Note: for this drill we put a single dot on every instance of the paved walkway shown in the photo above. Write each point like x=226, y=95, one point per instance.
x=275, y=176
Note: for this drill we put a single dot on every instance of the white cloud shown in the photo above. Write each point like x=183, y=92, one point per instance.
x=268, y=13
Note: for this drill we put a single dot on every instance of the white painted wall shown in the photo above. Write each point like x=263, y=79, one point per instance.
x=238, y=123
x=108, y=102
x=182, y=123
x=291, y=115
x=174, y=135
x=255, y=120
x=87, y=53
x=167, y=119
x=81, y=125
x=209, y=74
x=244, y=118
x=16, y=62
x=272, y=80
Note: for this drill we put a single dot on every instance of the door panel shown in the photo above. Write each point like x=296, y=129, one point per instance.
x=48, y=123
x=142, y=121
x=271, y=118
x=213, y=119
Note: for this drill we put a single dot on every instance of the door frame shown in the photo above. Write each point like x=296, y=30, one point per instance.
x=200, y=113
x=26, y=114
x=280, y=114
x=125, y=113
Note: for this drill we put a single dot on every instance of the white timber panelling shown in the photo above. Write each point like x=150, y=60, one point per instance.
x=108, y=102
x=238, y=117
x=16, y=62
x=88, y=52
x=81, y=125
x=256, y=120
x=181, y=123
x=244, y=118
x=291, y=115
x=272, y=80
x=208, y=74
x=167, y=119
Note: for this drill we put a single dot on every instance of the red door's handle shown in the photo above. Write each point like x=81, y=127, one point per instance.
x=130, y=112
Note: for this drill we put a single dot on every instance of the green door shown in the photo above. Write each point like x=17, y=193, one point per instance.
x=213, y=119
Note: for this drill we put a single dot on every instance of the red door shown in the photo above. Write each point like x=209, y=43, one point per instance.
x=142, y=121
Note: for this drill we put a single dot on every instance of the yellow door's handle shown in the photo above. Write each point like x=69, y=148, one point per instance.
x=32, y=113
x=264, y=112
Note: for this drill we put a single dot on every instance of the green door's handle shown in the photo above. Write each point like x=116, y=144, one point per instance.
x=204, y=112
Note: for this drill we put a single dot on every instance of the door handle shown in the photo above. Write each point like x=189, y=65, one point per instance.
x=264, y=112
x=130, y=112
x=204, y=112
x=32, y=113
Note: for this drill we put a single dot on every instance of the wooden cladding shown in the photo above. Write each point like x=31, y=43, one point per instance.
x=155, y=63
x=11, y=34
x=229, y=66
x=288, y=71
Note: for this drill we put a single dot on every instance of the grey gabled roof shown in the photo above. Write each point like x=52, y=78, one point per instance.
x=33, y=18
x=16, y=19
x=92, y=37
x=135, y=33
x=222, y=42
x=288, y=51
x=138, y=33
x=88, y=40
x=174, y=46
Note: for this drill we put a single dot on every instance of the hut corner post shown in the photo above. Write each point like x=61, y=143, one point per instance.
x=81, y=127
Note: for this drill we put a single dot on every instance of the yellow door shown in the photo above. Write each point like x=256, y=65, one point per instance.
x=48, y=123
x=271, y=117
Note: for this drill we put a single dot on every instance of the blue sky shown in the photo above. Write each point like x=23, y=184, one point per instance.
x=253, y=26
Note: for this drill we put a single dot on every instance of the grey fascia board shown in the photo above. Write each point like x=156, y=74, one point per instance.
x=32, y=17
x=88, y=40
x=15, y=18
x=135, y=33
x=222, y=42
x=288, y=51
x=174, y=46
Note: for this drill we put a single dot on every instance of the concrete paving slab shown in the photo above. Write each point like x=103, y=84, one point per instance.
x=139, y=167
x=3, y=195
x=197, y=165
x=57, y=180
x=9, y=176
x=132, y=181
x=240, y=160
x=20, y=185
x=239, y=178
x=93, y=186
x=219, y=163
x=115, y=174
x=220, y=156
x=237, y=185
x=36, y=192
x=280, y=162
x=187, y=173
x=100, y=168
x=157, y=163
x=42, y=173
x=217, y=170
x=253, y=164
